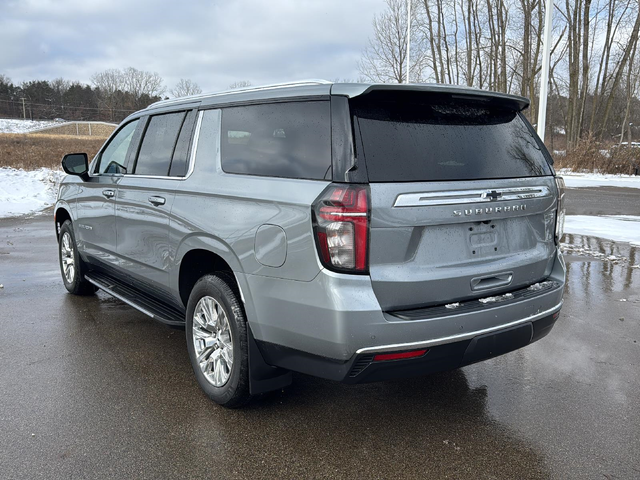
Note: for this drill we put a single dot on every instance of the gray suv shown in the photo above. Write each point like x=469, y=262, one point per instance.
x=356, y=232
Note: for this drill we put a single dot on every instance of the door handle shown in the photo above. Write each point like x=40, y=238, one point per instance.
x=491, y=281
x=157, y=201
x=109, y=193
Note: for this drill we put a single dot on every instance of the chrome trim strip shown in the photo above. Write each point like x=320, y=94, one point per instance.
x=458, y=197
x=194, y=145
x=119, y=297
x=456, y=338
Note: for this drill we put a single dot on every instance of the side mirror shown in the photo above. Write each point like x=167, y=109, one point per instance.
x=76, y=164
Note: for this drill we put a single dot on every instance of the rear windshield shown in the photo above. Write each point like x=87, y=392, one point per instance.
x=430, y=138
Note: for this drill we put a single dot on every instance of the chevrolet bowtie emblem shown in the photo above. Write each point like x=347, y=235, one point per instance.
x=492, y=195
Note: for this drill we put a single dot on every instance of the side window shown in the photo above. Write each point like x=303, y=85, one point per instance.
x=158, y=144
x=180, y=160
x=113, y=158
x=291, y=140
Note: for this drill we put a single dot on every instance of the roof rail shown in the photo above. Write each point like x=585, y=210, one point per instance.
x=171, y=101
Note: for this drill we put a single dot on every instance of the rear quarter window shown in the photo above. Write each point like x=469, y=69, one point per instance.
x=291, y=140
x=434, y=139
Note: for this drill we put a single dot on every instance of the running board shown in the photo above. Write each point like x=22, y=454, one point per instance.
x=137, y=299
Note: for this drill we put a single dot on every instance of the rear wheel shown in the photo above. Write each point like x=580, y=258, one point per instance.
x=216, y=331
x=71, y=266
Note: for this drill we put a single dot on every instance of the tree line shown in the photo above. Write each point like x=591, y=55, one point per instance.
x=112, y=95
x=497, y=45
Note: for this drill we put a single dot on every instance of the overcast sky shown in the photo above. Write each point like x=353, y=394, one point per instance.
x=214, y=43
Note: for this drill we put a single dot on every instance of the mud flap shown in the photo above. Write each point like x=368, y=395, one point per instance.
x=263, y=377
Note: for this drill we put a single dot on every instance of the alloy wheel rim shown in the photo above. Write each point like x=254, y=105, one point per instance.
x=67, y=258
x=213, y=341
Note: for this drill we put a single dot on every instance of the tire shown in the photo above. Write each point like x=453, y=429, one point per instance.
x=220, y=340
x=72, y=268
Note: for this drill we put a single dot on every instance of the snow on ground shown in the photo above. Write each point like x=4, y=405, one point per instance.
x=22, y=126
x=619, y=228
x=569, y=249
x=584, y=180
x=23, y=193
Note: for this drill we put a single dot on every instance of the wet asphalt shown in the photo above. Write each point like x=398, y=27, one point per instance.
x=91, y=388
x=603, y=201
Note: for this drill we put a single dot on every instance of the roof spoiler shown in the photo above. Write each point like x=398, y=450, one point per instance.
x=352, y=90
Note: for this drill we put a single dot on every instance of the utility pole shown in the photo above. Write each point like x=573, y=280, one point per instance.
x=408, y=39
x=544, y=77
x=24, y=111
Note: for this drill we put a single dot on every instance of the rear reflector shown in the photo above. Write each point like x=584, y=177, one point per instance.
x=383, y=357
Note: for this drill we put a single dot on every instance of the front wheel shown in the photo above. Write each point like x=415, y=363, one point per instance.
x=71, y=266
x=216, y=331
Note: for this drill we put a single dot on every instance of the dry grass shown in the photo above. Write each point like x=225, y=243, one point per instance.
x=95, y=129
x=31, y=151
x=592, y=156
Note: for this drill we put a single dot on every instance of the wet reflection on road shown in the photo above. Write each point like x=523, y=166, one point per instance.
x=614, y=272
x=582, y=380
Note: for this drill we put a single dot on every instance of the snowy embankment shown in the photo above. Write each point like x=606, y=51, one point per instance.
x=8, y=125
x=619, y=228
x=586, y=180
x=23, y=193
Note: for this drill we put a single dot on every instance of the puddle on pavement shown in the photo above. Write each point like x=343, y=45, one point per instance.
x=596, y=266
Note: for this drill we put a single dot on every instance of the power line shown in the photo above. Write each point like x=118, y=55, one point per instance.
x=62, y=106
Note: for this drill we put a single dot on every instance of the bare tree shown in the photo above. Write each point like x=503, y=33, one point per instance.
x=497, y=44
x=240, y=84
x=360, y=79
x=632, y=85
x=129, y=89
x=385, y=59
x=108, y=83
x=142, y=84
x=626, y=55
x=186, y=87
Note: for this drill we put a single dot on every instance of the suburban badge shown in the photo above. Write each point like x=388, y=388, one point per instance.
x=469, y=212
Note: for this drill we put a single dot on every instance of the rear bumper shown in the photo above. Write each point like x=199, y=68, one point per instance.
x=460, y=337
x=364, y=368
x=338, y=316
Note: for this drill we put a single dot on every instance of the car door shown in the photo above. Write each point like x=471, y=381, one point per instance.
x=96, y=204
x=145, y=198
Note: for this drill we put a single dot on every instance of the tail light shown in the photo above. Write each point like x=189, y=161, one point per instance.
x=341, y=225
x=561, y=210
